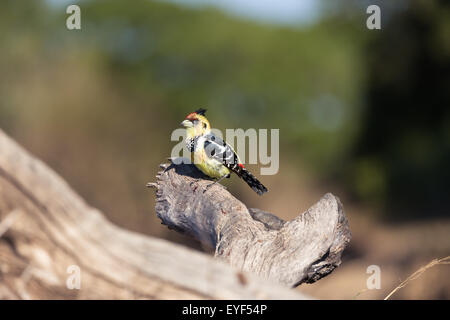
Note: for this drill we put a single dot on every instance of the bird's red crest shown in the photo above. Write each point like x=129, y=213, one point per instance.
x=194, y=115
x=191, y=116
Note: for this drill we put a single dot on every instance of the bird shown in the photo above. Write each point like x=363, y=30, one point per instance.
x=212, y=155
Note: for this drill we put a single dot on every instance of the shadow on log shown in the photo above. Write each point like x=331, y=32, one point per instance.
x=47, y=233
x=304, y=249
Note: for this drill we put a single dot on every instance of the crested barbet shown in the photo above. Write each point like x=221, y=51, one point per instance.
x=213, y=156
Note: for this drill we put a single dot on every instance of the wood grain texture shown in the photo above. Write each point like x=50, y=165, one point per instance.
x=290, y=252
x=45, y=227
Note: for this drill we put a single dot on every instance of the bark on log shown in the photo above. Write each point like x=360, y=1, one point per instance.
x=45, y=227
x=302, y=250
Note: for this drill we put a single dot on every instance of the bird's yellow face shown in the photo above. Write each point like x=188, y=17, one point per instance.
x=196, y=124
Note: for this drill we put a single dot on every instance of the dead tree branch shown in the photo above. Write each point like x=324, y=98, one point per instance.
x=302, y=250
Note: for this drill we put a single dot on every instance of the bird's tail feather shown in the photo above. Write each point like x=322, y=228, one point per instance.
x=251, y=180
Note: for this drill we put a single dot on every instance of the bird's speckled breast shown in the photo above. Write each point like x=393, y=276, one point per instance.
x=211, y=167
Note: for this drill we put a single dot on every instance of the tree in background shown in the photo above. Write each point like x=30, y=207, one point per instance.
x=402, y=155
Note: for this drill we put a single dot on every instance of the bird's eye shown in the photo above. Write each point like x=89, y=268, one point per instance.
x=204, y=126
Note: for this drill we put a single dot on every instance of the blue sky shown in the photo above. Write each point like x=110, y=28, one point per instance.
x=274, y=11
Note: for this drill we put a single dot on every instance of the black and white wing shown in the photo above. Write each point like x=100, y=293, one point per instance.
x=219, y=150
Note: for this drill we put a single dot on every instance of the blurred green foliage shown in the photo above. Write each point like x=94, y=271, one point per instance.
x=405, y=144
x=365, y=110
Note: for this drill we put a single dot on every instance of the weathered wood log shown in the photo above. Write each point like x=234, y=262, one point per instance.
x=293, y=252
x=45, y=227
